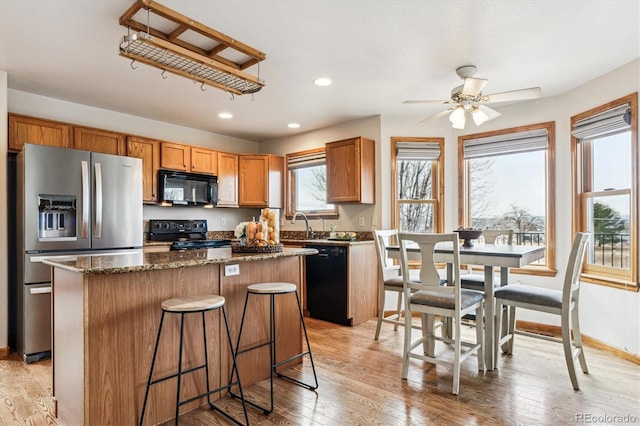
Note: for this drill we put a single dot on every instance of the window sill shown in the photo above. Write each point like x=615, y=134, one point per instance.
x=610, y=282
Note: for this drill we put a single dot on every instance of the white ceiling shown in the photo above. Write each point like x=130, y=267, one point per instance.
x=377, y=52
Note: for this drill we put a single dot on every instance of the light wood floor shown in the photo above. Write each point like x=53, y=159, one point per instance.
x=360, y=385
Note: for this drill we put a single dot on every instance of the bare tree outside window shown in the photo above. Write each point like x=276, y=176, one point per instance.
x=414, y=187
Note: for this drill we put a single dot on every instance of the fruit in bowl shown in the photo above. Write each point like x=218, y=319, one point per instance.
x=351, y=234
x=468, y=234
x=340, y=234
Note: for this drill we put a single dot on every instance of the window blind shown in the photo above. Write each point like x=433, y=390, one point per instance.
x=509, y=143
x=429, y=151
x=306, y=160
x=606, y=123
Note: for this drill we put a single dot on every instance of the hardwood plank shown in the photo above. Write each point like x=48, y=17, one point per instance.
x=359, y=383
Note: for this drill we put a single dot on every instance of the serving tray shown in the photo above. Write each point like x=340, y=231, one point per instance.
x=342, y=239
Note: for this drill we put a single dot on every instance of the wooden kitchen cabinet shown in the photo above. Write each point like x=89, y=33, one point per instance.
x=149, y=151
x=351, y=171
x=204, y=161
x=97, y=140
x=261, y=181
x=188, y=158
x=23, y=129
x=227, y=179
x=175, y=156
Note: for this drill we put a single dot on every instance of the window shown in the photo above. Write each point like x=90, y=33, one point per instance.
x=506, y=182
x=605, y=159
x=418, y=181
x=307, y=185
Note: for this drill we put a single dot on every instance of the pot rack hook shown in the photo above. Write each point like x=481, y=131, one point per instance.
x=202, y=88
x=133, y=61
x=232, y=96
x=164, y=74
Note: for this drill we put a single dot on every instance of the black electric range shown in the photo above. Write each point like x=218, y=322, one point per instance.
x=185, y=234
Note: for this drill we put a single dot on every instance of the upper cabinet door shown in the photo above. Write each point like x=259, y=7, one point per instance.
x=24, y=129
x=96, y=140
x=260, y=181
x=351, y=171
x=227, y=179
x=204, y=161
x=149, y=151
x=175, y=156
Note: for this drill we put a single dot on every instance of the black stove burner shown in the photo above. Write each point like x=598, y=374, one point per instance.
x=185, y=234
x=198, y=244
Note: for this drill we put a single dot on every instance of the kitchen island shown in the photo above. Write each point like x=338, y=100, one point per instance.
x=106, y=313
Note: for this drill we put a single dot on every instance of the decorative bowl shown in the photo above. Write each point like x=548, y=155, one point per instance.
x=467, y=235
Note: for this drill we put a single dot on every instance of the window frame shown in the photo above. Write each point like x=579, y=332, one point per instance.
x=598, y=274
x=290, y=192
x=464, y=198
x=437, y=184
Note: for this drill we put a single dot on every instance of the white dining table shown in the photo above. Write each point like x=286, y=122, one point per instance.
x=490, y=256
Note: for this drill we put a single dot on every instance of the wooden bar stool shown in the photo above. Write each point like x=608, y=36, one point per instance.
x=274, y=289
x=189, y=305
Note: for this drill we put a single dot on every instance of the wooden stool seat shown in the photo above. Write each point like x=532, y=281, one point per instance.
x=192, y=303
x=272, y=288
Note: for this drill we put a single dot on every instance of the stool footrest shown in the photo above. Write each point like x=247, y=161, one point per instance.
x=297, y=382
x=202, y=395
x=162, y=379
x=259, y=345
x=279, y=363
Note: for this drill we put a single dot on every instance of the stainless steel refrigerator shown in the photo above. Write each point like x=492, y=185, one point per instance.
x=69, y=203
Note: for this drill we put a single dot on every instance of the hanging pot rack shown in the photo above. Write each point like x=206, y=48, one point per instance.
x=216, y=60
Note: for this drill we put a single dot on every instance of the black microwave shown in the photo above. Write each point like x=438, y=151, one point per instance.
x=187, y=189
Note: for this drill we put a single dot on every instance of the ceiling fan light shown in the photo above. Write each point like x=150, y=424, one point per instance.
x=458, y=124
x=479, y=116
x=457, y=118
x=457, y=115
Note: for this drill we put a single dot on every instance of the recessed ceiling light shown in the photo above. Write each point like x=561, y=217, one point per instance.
x=293, y=125
x=322, y=81
x=225, y=115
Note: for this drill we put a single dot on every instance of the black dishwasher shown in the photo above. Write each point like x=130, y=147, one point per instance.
x=327, y=284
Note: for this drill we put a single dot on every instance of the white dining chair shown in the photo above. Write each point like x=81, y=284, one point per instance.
x=389, y=280
x=429, y=298
x=563, y=302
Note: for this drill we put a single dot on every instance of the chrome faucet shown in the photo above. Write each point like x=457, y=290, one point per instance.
x=306, y=221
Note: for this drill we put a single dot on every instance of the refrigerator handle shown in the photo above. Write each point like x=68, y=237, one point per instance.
x=84, y=230
x=98, y=225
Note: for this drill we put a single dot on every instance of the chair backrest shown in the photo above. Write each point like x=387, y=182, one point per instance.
x=384, y=238
x=429, y=276
x=571, y=287
x=491, y=235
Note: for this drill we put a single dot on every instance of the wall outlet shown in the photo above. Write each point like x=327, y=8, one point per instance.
x=360, y=220
x=223, y=221
x=230, y=270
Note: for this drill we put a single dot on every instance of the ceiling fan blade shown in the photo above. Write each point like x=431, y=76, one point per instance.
x=428, y=102
x=438, y=115
x=491, y=113
x=515, y=95
x=473, y=86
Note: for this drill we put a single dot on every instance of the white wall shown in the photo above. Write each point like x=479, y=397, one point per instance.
x=367, y=127
x=607, y=314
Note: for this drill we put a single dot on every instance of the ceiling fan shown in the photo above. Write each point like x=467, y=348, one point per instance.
x=469, y=97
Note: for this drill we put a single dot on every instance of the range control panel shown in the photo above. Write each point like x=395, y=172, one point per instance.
x=171, y=230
